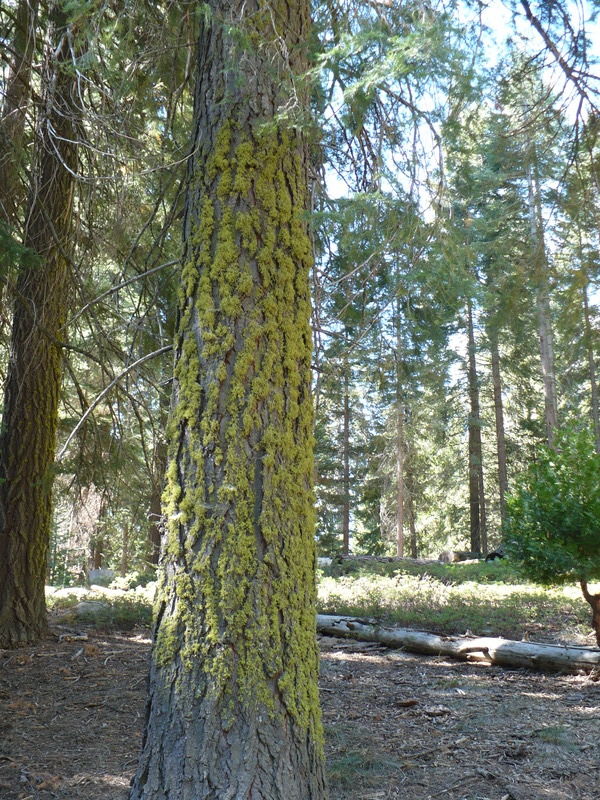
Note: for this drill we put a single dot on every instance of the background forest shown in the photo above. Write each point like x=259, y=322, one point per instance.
x=456, y=223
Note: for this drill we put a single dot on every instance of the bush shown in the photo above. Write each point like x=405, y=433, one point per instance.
x=553, y=521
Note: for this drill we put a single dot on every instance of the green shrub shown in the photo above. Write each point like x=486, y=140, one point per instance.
x=553, y=524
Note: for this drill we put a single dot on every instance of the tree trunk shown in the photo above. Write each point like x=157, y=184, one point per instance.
x=476, y=495
x=346, y=458
x=410, y=508
x=399, y=458
x=233, y=709
x=499, y=417
x=594, y=601
x=125, y=550
x=30, y=416
x=542, y=290
x=156, y=519
x=14, y=110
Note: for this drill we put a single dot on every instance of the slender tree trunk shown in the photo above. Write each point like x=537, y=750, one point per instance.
x=97, y=553
x=476, y=494
x=156, y=526
x=125, y=550
x=499, y=417
x=14, y=111
x=410, y=509
x=346, y=457
x=399, y=460
x=591, y=365
x=27, y=440
x=233, y=710
x=542, y=289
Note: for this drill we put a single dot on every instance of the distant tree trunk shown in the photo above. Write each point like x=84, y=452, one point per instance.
x=542, y=299
x=499, y=417
x=14, y=110
x=233, y=709
x=591, y=365
x=97, y=553
x=30, y=416
x=346, y=459
x=476, y=485
x=156, y=526
x=410, y=509
x=125, y=550
x=399, y=459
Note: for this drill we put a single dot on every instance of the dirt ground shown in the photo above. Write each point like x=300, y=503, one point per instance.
x=397, y=725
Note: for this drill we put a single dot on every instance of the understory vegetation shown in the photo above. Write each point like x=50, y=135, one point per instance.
x=483, y=599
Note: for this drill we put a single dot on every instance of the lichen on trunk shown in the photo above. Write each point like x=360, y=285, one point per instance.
x=233, y=709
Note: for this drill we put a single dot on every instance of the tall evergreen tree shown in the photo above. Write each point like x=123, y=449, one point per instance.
x=30, y=413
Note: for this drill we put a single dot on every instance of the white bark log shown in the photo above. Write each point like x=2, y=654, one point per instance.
x=486, y=649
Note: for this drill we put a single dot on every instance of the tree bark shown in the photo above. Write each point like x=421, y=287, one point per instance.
x=485, y=649
x=410, y=508
x=399, y=456
x=346, y=459
x=499, y=418
x=594, y=601
x=476, y=494
x=233, y=710
x=30, y=416
x=14, y=110
x=542, y=290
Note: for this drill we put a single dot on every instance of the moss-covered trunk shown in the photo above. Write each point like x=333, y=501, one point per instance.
x=30, y=414
x=233, y=707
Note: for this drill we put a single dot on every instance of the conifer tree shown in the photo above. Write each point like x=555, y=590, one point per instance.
x=30, y=413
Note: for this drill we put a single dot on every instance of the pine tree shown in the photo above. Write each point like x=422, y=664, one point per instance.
x=30, y=414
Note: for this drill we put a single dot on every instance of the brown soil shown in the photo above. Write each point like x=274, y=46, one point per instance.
x=397, y=725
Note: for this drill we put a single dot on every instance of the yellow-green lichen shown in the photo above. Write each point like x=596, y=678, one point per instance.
x=238, y=498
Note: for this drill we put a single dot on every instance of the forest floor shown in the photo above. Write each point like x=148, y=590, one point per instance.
x=397, y=725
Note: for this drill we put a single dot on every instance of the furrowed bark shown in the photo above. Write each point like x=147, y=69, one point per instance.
x=233, y=710
x=27, y=440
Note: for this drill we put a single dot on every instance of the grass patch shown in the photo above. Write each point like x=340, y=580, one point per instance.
x=558, y=735
x=362, y=768
x=110, y=610
x=485, y=599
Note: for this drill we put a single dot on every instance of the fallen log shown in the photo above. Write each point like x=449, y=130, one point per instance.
x=487, y=649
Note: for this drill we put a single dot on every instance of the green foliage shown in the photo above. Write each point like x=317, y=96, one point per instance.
x=553, y=524
x=485, y=599
x=13, y=254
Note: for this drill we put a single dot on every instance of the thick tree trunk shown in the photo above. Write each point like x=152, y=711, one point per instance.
x=29, y=421
x=346, y=460
x=486, y=649
x=499, y=418
x=233, y=710
x=476, y=486
x=542, y=290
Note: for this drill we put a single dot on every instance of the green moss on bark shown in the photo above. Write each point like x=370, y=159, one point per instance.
x=239, y=496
